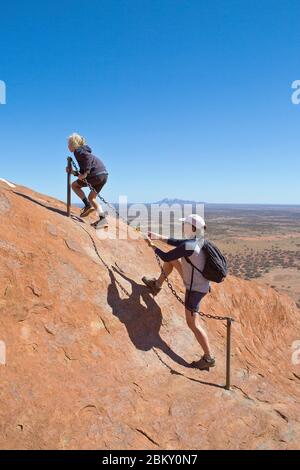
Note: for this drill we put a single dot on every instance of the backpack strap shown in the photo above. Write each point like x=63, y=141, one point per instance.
x=195, y=267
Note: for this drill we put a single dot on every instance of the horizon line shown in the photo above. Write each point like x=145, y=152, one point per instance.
x=216, y=203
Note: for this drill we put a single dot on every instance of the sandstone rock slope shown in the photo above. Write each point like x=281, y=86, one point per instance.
x=94, y=361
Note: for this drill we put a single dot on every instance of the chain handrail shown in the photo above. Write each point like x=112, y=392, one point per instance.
x=202, y=314
x=109, y=268
x=170, y=286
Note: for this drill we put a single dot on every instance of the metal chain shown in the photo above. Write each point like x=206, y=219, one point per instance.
x=170, y=286
x=109, y=268
x=202, y=314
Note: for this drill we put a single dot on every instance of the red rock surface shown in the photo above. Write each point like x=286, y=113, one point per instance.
x=89, y=366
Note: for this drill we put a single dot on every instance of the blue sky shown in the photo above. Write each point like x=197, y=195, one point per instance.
x=181, y=98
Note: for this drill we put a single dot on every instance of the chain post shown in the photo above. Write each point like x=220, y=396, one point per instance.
x=228, y=353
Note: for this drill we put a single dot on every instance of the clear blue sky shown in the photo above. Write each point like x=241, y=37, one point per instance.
x=181, y=98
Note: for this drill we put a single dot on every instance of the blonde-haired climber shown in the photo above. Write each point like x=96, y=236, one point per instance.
x=93, y=172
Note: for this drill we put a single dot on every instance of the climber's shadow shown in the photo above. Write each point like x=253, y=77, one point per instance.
x=143, y=322
x=49, y=208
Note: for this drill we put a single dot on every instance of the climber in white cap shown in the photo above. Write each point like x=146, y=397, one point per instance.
x=188, y=258
x=194, y=220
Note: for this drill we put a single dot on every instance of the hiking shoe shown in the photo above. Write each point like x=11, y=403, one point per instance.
x=205, y=363
x=151, y=283
x=87, y=210
x=100, y=223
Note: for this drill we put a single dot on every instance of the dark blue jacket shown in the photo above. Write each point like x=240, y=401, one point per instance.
x=192, y=249
x=89, y=163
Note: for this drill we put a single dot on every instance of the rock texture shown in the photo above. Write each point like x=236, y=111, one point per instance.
x=94, y=361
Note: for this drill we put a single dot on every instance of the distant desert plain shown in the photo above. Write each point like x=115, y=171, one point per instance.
x=261, y=242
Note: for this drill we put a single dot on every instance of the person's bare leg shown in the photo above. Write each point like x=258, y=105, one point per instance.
x=77, y=190
x=193, y=322
x=167, y=269
x=93, y=201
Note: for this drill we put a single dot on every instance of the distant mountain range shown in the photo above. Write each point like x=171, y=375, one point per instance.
x=211, y=205
x=166, y=200
x=176, y=201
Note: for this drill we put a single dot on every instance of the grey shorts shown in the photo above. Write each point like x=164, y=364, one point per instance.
x=192, y=299
x=97, y=182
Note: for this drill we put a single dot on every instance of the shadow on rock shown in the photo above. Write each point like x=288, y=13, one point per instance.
x=143, y=322
x=49, y=208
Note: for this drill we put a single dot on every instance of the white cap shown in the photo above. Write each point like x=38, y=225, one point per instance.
x=195, y=220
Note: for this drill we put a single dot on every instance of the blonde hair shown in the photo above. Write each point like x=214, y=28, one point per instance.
x=75, y=141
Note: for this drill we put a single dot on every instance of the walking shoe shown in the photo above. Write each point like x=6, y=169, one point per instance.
x=87, y=210
x=205, y=363
x=100, y=223
x=151, y=283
